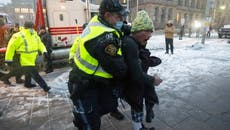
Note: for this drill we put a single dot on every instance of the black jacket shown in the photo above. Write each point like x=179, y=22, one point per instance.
x=137, y=79
x=46, y=40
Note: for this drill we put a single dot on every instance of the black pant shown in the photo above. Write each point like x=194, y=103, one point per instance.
x=49, y=65
x=91, y=102
x=169, y=42
x=32, y=72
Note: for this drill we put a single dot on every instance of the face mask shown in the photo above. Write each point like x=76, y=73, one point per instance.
x=119, y=25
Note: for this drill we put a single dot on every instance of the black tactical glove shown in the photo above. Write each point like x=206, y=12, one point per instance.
x=71, y=62
x=45, y=55
x=154, y=61
x=126, y=29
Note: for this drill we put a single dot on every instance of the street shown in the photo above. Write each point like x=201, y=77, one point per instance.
x=194, y=94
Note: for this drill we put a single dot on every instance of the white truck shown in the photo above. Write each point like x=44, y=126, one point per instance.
x=224, y=31
x=64, y=19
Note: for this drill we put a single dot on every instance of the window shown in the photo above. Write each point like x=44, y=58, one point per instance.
x=170, y=13
x=163, y=15
x=61, y=18
x=156, y=11
x=180, y=2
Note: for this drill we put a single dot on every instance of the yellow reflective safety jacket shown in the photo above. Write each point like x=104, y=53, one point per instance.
x=27, y=43
x=83, y=60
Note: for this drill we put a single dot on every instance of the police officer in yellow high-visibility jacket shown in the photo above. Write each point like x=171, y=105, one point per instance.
x=98, y=65
x=27, y=44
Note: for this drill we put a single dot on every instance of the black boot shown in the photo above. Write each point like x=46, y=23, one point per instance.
x=19, y=81
x=117, y=114
x=149, y=114
x=30, y=85
x=46, y=89
x=6, y=81
x=1, y=113
x=145, y=128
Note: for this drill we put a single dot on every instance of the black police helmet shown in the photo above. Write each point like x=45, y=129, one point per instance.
x=112, y=6
x=28, y=24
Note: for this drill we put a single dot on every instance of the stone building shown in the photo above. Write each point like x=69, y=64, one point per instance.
x=163, y=10
x=220, y=13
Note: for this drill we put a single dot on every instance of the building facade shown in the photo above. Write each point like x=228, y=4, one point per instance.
x=220, y=13
x=180, y=11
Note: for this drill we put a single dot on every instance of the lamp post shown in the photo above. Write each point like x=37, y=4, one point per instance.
x=87, y=4
x=222, y=8
x=127, y=4
x=206, y=15
x=21, y=19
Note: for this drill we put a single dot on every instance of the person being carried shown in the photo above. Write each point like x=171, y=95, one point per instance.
x=137, y=80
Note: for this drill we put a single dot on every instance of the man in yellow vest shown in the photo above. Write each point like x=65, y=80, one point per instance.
x=169, y=31
x=99, y=64
x=27, y=44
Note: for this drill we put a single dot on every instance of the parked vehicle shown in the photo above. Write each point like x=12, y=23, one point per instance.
x=224, y=31
x=64, y=20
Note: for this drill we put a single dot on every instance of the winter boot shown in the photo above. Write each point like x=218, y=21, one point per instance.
x=116, y=114
x=149, y=113
x=145, y=128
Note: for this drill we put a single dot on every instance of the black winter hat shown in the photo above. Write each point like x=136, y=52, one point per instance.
x=113, y=6
x=28, y=24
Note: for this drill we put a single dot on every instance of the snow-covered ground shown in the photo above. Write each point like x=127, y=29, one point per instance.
x=190, y=59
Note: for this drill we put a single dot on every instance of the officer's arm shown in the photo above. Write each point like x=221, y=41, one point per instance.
x=105, y=51
x=11, y=48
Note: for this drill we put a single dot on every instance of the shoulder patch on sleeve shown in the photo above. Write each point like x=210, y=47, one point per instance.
x=111, y=49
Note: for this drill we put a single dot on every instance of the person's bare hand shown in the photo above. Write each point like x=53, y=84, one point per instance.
x=157, y=80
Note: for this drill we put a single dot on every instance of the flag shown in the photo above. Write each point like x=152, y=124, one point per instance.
x=39, y=19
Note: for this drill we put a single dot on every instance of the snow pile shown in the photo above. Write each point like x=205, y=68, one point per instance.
x=197, y=46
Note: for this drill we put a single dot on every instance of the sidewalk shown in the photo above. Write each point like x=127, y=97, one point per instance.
x=189, y=108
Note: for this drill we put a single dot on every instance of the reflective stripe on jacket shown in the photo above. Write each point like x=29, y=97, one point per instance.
x=26, y=43
x=83, y=60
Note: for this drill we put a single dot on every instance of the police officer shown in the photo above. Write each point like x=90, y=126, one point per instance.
x=27, y=44
x=98, y=65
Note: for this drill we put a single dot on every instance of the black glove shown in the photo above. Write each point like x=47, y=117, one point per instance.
x=71, y=62
x=154, y=61
x=126, y=29
x=46, y=55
